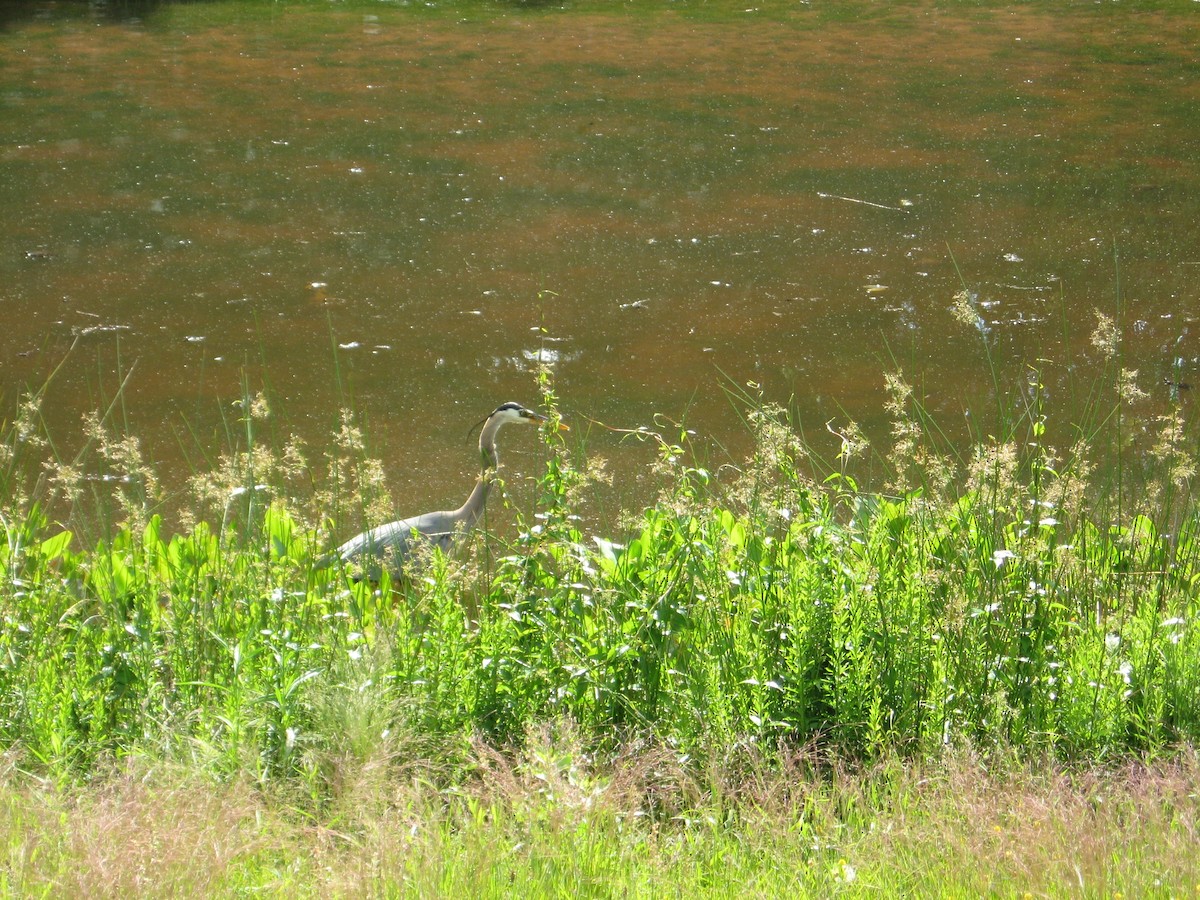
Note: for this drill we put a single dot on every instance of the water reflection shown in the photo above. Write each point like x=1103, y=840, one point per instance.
x=406, y=210
x=14, y=12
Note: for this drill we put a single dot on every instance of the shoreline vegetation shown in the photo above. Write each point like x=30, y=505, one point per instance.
x=982, y=677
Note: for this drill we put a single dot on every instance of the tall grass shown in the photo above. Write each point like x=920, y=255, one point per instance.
x=545, y=821
x=999, y=597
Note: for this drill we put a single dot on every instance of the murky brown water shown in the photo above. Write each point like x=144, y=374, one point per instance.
x=649, y=200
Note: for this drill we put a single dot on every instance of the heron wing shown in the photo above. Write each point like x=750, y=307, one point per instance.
x=393, y=538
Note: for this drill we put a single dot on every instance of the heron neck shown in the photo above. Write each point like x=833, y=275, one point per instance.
x=490, y=459
x=473, y=508
x=487, y=444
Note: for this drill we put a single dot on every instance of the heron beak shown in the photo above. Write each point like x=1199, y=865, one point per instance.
x=539, y=419
x=562, y=426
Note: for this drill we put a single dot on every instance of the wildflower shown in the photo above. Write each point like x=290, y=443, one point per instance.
x=964, y=311
x=993, y=471
x=29, y=417
x=67, y=479
x=1106, y=336
x=1127, y=387
x=899, y=393
x=259, y=408
x=843, y=872
x=1169, y=451
x=349, y=436
x=854, y=442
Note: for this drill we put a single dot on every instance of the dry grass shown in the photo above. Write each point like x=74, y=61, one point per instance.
x=1042, y=833
x=128, y=836
x=550, y=819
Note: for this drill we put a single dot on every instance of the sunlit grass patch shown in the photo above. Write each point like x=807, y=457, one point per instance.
x=551, y=819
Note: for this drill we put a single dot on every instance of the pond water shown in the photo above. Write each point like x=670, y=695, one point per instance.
x=403, y=208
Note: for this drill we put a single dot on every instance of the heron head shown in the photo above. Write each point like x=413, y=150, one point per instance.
x=515, y=412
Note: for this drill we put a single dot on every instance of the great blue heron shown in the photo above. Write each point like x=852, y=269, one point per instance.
x=390, y=544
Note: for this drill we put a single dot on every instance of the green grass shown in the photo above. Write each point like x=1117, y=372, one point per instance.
x=991, y=608
x=1012, y=600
